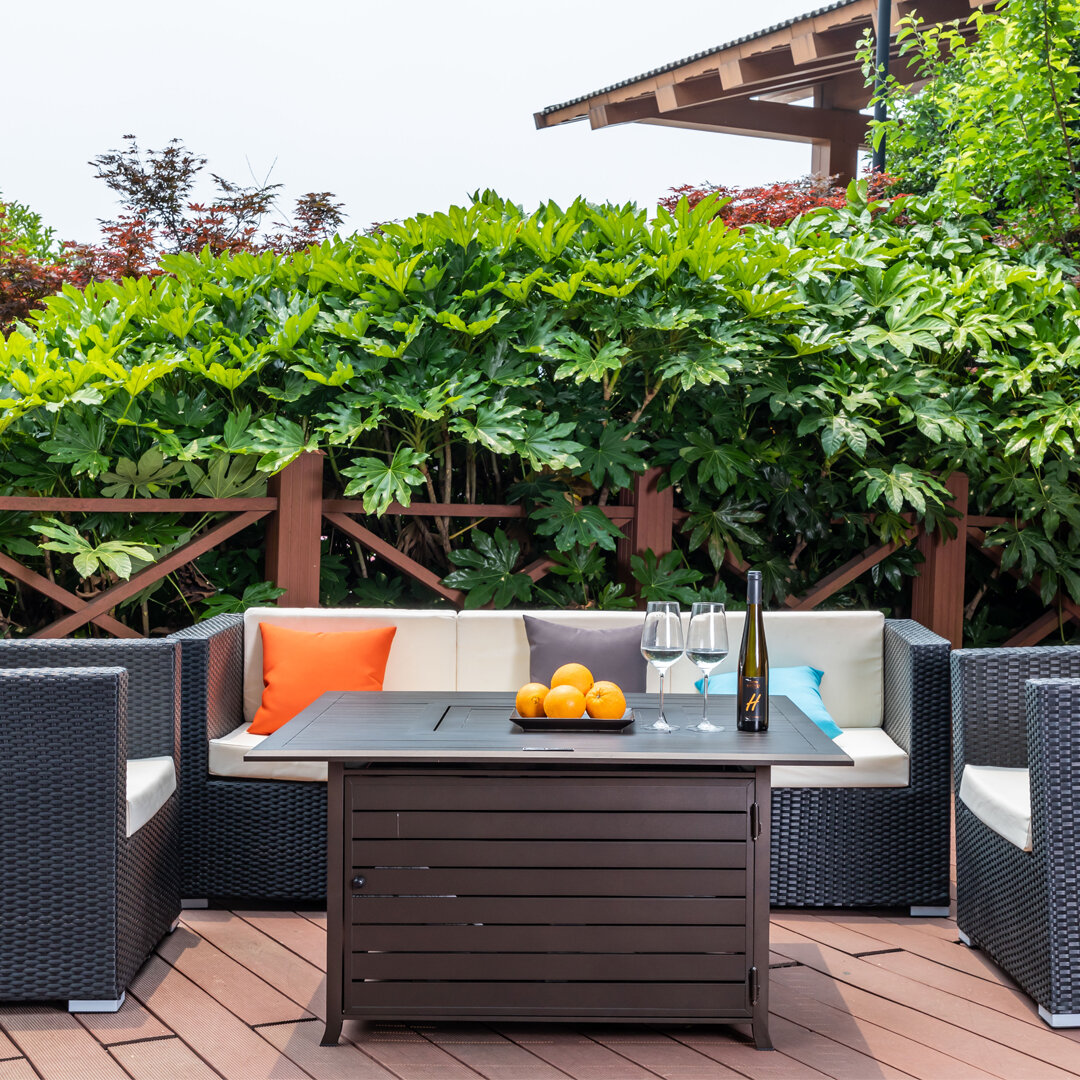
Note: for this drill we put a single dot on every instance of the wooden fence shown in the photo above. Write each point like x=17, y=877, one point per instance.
x=296, y=510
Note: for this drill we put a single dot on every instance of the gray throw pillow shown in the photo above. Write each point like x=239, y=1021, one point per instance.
x=612, y=655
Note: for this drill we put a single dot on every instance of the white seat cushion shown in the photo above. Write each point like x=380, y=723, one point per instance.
x=227, y=759
x=1000, y=799
x=879, y=763
x=150, y=782
x=422, y=657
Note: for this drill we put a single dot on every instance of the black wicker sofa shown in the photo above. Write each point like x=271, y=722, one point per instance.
x=89, y=855
x=831, y=846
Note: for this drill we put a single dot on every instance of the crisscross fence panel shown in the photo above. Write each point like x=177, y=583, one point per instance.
x=297, y=513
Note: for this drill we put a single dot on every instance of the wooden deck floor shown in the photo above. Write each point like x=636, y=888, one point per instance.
x=239, y=995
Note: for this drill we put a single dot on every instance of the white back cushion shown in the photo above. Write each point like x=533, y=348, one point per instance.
x=422, y=657
x=493, y=652
x=848, y=646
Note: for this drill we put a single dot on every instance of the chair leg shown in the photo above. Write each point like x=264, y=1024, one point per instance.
x=75, y=1005
x=1060, y=1020
x=924, y=912
x=191, y=905
x=175, y=923
x=965, y=939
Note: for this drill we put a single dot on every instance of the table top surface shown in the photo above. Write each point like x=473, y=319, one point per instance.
x=353, y=726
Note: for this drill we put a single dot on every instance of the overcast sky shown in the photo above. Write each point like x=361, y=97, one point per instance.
x=397, y=106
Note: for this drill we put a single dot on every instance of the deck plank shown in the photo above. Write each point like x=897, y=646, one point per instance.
x=57, y=1045
x=744, y=1058
x=653, y=1049
x=242, y=992
x=130, y=1023
x=7, y=1048
x=834, y=1059
x=951, y=953
x=488, y=1053
x=977, y=1035
x=405, y=1052
x=17, y=1069
x=162, y=1059
x=856, y=1027
x=576, y=1054
x=223, y=1040
x=288, y=973
x=301, y=936
x=300, y=1043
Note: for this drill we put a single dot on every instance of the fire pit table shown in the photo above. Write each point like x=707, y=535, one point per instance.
x=481, y=872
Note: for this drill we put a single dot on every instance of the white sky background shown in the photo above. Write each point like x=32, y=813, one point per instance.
x=397, y=106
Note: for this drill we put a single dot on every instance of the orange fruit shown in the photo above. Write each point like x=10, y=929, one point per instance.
x=577, y=675
x=565, y=702
x=530, y=699
x=605, y=701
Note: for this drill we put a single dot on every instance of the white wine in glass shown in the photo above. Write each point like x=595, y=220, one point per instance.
x=662, y=645
x=707, y=646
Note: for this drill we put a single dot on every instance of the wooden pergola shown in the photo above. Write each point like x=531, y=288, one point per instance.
x=747, y=86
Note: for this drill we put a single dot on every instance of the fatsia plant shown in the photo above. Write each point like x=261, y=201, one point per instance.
x=805, y=389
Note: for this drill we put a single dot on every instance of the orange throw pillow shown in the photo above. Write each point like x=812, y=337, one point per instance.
x=299, y=665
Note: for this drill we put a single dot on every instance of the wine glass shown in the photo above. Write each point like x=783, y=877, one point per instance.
x=707, y=645
x=662, y=645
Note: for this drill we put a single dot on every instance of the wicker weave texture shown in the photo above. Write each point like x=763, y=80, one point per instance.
x=82, y=904
x=240, y=838
x=153, y=689
x=1023, y=908
x=878, y=847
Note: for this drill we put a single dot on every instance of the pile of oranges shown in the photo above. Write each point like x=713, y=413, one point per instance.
x=573, y=693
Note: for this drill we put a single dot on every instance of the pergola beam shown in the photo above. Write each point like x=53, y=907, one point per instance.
x=742, y=116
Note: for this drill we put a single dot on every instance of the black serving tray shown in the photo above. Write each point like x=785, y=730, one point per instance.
x=582, y=723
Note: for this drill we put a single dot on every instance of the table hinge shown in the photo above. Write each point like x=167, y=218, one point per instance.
x=752, y=979
x=755, y=821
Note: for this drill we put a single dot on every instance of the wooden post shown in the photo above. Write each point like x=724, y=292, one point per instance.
x=937, y=594
x=292, y=537
x=651, y=525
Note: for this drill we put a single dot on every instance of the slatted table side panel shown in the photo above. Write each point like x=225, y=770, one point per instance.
x=540, y=894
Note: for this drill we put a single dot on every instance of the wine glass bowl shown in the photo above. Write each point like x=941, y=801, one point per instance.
x=662, y=645
x=707, y=646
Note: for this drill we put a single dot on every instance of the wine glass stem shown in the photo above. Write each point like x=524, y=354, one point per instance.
x=662, y=718
x=705, y=699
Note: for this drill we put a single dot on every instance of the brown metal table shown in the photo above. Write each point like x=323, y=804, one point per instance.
x=476, y=872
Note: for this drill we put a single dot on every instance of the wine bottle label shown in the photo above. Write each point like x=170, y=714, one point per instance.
x=754, y=706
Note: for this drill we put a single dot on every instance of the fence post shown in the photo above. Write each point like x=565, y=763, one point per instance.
x=292, y=537
x=937, y=594
x=652, y=523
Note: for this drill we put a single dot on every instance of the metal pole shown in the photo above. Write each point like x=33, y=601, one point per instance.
x=881, y=110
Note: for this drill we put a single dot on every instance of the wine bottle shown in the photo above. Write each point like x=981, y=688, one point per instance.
x=753, y=682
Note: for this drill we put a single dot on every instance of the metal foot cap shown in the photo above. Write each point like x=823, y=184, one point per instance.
x=77, y=1005
x=1060, y=1020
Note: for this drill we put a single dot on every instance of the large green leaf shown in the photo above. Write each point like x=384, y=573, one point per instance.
x=572, y=523
x=487, y=572
x=382, y=482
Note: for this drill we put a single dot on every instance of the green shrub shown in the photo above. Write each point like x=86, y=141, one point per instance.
x=804, y=388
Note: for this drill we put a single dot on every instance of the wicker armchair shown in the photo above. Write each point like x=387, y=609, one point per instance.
x=1019, y=709
x=831, y=846
x=82, y=903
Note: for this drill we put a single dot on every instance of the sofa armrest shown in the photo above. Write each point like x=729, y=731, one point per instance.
x=989, y=701
x=1053, y=735
x=212, y=680
x=916, y=699
x=63, y=770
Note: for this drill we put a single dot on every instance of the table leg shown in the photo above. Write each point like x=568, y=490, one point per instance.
x=332, y=1032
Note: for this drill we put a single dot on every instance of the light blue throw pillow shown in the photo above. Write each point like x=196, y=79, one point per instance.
x=801, y=684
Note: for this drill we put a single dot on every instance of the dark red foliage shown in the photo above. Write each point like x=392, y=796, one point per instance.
x=777, y=204
x=26, y=279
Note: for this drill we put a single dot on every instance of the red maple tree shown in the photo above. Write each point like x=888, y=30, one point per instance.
x=778, y=203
